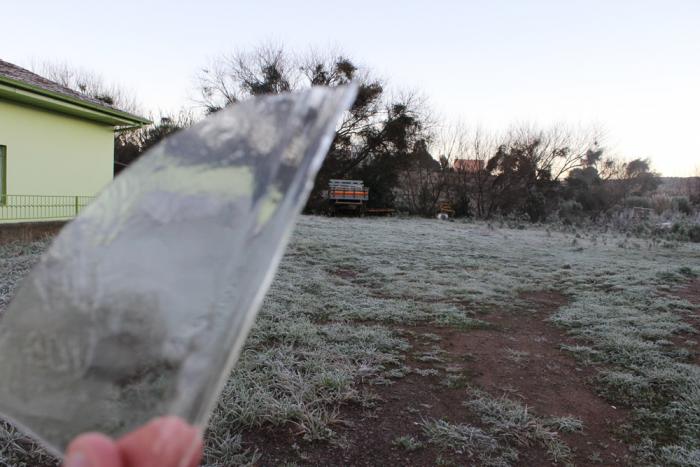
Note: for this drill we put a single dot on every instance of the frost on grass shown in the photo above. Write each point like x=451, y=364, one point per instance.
x=516, y=425
x=301, y=373
x=326, y=326
x=16, y=449
x=467, y=440
x=16, y=259
x=412, y=271
x=631, y=331
x=292, y=371
x=506, y=426
x=409, y=443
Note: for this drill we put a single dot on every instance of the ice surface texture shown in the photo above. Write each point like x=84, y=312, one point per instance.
x=142, y=303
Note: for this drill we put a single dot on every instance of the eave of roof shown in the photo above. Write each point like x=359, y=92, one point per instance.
x=20, y=91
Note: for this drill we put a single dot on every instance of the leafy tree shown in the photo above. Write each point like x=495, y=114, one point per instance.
x=604, y=182
x=372, y=141
x=639, y=179
x=520, y=184
x=586, y=186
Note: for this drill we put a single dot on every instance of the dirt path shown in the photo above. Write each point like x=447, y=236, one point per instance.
x=691, y=293
x=520, y=357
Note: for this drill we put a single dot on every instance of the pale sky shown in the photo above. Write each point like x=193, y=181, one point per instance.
x=632, y=67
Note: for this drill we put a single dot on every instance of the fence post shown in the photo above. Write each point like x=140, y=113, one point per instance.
x=76, y=206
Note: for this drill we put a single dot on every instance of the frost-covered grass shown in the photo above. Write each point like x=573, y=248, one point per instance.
x=630, y=332
x=515, y=424
x=507, y=426
x=16, y=260
x=329, y=323
x=468, y=440
x=409, y=443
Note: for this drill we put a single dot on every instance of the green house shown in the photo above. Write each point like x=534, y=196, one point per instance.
x=56, y=146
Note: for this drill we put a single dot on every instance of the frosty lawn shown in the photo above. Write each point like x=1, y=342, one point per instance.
x=352, y=297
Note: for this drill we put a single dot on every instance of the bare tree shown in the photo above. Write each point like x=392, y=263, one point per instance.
x=467, y=151
x=270, y=69
x=424, y=181
x=89, y=83
x=373, y=138
x=267, y=69
x=129, y=143
x=559, y=148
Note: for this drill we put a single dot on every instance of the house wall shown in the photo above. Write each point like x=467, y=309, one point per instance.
x=54, y=154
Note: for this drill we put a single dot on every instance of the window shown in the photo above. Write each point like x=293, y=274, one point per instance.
x=3, y=175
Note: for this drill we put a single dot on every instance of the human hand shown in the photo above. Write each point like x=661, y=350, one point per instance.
x=163, y=442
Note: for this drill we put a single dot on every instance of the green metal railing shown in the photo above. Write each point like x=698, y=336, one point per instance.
x=41, y=207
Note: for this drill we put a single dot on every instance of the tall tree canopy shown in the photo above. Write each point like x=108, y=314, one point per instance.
x=372, y=141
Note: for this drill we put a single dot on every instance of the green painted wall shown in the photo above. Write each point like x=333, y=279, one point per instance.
x=54, y=154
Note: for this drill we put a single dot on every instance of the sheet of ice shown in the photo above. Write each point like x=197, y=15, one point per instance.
x=142, y=303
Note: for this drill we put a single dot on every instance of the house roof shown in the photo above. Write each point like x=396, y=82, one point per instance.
x=468, y=165
x=20, y=84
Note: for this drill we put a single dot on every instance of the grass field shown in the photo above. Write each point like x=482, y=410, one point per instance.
x=419, y=342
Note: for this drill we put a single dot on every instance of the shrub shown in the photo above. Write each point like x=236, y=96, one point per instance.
x=682, y=205
x=536, y=206
x=570, y=211
x=694, y=233
x=686, y=232
x=638, y=202
x=661, y=203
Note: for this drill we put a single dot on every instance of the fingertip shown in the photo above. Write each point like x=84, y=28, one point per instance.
x=174, y=431
x=169, y=440
x=92, y=450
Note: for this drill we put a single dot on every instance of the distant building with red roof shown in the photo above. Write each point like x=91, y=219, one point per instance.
x=468, y=165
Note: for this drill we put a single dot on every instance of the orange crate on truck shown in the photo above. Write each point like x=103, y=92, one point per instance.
x=346, y=195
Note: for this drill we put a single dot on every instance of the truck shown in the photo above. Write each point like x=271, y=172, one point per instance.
x=348, y=196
